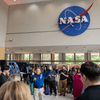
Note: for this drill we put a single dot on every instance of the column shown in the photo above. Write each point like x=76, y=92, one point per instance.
x=13, y=56
x=16, y=57
x=9, y=56
x=3, y=27
x=87, y=56
x=37, y=56
x=74, y=58
x=19, y=56
x=6, y=56
x=52, y=58
x=22, y=56
x=62, y=57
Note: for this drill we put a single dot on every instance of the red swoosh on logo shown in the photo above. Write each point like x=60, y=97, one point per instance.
x=82, y=14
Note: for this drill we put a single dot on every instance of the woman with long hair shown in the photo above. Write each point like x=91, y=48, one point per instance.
x=15, y=90
x=45, y=80
x=77, y=84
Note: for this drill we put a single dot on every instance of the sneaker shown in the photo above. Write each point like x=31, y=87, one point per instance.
x=64, y=95
x=50, y=94
x=55, y=94
x=60, y=95
x=31, y=93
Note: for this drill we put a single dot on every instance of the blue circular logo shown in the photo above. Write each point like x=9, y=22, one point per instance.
x=74, y=20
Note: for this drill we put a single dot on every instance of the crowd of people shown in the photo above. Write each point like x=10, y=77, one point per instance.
x=83, y=83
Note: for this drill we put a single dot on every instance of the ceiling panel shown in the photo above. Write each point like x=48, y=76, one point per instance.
x=56, y=49
x=12, y=2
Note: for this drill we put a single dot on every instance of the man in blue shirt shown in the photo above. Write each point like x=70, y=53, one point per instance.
x=15, y=70
x=38, y=80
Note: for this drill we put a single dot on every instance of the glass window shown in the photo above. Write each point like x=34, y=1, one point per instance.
x=46, y=57
x=11, y=56
x=8, y=56
x=31, y=56
x=95, y=56
x=26, y=56
x=69, y=56
x=79, y=56
x=56, y=58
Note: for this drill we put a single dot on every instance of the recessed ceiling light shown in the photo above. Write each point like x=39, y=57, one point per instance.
x=14, y=0
x=51, y=48
x=11, y=40
x=66, y=47
x=84, y=47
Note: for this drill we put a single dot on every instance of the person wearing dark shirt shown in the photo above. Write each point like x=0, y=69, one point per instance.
x=42, y=69
x=8, y=74
x=0, y=71
x=45, y=80
x=63, y=79
x=51, y=81
x=69, y=82
x=3, y=77
x=90, y=75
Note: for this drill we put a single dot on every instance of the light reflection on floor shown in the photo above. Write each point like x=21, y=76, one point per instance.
x=48, y=97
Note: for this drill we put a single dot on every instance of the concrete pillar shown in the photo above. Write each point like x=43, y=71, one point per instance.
x=13, y=56
x=3, y=27
x=16, y=57
x=74, y=58
x=52, y=58
x=6, y=56
x=37, y=56
x=19, y=56
x=9, y=56
x=87, y=56
x=62, y=57
x=22, y=56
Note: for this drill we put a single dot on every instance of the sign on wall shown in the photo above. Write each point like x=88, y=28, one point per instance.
x=74, y=20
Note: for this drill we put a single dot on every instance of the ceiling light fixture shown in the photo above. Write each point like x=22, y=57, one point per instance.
x=84, y=47
x=66, y=47
x=51, y=48
x=14, y=0
x=10, y=40
x=35, y=49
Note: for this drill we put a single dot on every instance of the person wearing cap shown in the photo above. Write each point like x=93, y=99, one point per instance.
x=15, y=70
x=90, y=75
x=51, y=81
x=38, y=80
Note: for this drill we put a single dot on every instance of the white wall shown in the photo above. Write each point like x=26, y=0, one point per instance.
x=42, y=17
x=3, y=22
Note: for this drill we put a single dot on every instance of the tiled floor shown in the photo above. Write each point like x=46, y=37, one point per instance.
x=48, y=97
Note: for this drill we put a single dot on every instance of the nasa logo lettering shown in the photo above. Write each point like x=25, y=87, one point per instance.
x=74, y=20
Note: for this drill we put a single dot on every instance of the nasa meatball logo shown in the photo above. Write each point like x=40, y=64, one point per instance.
x=74, y=20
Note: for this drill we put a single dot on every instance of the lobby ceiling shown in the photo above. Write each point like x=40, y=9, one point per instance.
x=15, y=2
x=55, y=49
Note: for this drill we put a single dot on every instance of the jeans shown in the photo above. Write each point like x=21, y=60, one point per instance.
x=27, y=80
